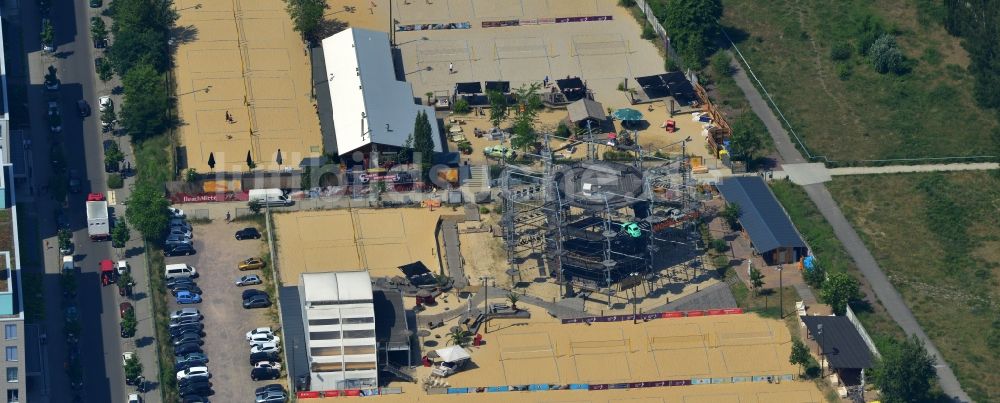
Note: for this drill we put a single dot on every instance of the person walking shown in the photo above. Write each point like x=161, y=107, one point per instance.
x=451, y=68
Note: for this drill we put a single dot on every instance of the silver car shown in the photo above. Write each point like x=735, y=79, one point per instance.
x=249, y=279
x=185, y=313
x=177, y=240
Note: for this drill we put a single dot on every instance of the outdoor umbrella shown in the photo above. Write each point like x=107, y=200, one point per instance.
x=627, y=114
x=278, y=158
x=249, y=160
x=211, y=160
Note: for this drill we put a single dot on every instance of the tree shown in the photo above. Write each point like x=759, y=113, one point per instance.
x=129, y=324
x=307, y=16
x=905, y=372
x=524, y=135
x=756, y=280
x=125, y=279
x=800, y=354
x=838, y=290
x=142, y=34
x=147, y=210
x=104, y=70
x=255, y=206
x=50, y=77
x=133, y=368
x=98, y=30
x=815, y=277
x=146, y=102
x=513, y=298
x=423, y=144
x=885, y=56
x=65, y=239
x=459, y=337
x=108, y=117
x=731, y=213
x=692, y=25
x=526, y=110
x=48, y=34
x=498, y=107
x=191, y=175
x=120, y=234
x=113, y=155
x=747, y=138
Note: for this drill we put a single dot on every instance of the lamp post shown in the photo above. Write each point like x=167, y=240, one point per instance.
x=819, y=331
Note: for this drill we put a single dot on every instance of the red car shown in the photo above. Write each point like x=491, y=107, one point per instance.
x=124, y=308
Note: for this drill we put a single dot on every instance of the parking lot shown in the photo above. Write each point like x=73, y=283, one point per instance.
x=226, y=322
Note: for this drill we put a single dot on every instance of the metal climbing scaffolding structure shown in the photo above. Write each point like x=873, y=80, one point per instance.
x=595, y=225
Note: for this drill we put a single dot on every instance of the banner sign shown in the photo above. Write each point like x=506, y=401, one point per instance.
x=584, y=19
x=209, y=197
x=651, y=316
x=307, y=394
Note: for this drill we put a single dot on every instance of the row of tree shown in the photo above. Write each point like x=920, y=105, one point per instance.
x=977, y=22
x=141, y=55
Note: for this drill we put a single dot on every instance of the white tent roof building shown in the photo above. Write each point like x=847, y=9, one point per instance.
x=369, y=104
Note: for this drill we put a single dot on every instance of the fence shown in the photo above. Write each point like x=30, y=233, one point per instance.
x=661, y=32
x=861, y=330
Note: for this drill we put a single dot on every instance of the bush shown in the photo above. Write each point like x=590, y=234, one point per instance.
x=648, y=33
x=563, y=131
x=719, y=245
x=840, y=51
x=721, y=66
x=886, y=57
x=814, y=277
x=671, y=65
x=461, y=106
x=484, y=210
x=115, y=181
x=626, y=3
x=844, y=71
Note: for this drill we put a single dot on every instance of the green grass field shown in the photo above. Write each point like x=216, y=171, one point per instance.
x=844, y=109
x=937, y=236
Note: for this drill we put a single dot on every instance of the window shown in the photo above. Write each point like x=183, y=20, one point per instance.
x=358, y=334
x=356, y=321
x=323, y=322
x=324, y=351
x=323, y=335
x=12, y=374
x=11, y=353
x=10, y=332
x=12, y=396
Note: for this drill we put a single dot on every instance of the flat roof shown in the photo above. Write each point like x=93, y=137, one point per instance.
x=369, y=104
x=760, y=213
x=390, y=318
x=293, y=332
x=337, y=286
x=841, y=343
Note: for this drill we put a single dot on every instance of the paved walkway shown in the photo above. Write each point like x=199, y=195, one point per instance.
x=892, y=169
x=818, y=193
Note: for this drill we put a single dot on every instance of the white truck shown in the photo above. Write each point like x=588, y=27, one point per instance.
x=68, y=265
x=98, y=225
x=269, y=197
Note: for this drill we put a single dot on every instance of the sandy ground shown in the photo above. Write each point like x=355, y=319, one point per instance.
x=322, y=241
x=244, y=58
x=541, y=350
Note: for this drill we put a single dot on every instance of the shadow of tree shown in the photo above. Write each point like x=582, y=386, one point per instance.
x=185, y=34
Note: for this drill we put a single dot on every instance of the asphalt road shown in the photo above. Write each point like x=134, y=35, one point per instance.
x=81, y=138
x=884, y=290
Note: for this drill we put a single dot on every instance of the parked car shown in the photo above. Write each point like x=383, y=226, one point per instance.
x=179, y=250
x=271, y=395
x=265, y=347
x=251, y=292
x=259, y=331
x=188, y=338
x=83, y=108
x=248, y=233
x=126, y=356
x=196, y=328
x=185, y=321
x=256, y=301
x=187, y=348
x=134, y=398
x=124, y=308
x=187, y=297
x=264, y=373
x=125, y=332
x=264, y=338
x=186, y=313
x=175, y=212
x=253, y=263
x=180, y=231
x=195, y=398
x=189, y=287
x=177, y=240
x=186, y=365
x=267, y=364
x=179, y=222
x=193, y=392
x=171, y=282
x=96, y=3
x=194, y=381
x=259, y=356
x=199, y=357
x=75, y=184
x=251, y=279
x=193, y=372
x=273, y=387
x=105, y=103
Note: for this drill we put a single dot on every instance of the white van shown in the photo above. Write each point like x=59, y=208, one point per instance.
x=179, y=270
x=68, y=264
x=269, y=197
